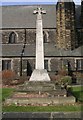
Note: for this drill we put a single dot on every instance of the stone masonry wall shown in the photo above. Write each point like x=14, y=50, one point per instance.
x=28, y=35
x=16, y=66
x=54, y=64
x=28, y=65
x=20, y=35
x=82, y=21
x=66, y=31
x=82, y=13
x=60, y=25
x=48, y=35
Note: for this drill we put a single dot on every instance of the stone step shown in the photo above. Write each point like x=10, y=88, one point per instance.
x=38, y=86
x=50, y=93
x=39, y=83
x=40, y=94
x=41, y=101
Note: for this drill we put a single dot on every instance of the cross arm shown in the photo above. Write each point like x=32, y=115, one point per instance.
x=39, y=11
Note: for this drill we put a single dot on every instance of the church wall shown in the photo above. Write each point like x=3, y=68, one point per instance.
x=55, y=64
x=82, y=36
x=52, y=64
x=28, y=35
x=20, y=35
x=49, y=36
x=62, y=63
x=16, y=66
x=52, y=35
x=65, y=25
x=82, y=13
x=28, y=65
x=82, y=21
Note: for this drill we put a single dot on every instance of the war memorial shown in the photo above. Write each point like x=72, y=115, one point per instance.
x=40, y=89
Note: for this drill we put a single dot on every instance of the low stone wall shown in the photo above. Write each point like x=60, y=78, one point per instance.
x=42, y=116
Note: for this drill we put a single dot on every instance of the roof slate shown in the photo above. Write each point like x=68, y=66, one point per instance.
x=22, y=16
x=49, y=49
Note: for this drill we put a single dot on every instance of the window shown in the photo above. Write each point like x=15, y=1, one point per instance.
x=29, y=69
x=79, y=64
x=45, y=36
x=46, y=64
x=6, y=64
x=12, y=38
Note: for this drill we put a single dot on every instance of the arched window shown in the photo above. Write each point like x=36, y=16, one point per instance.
x=12, y=38
x=44, y=37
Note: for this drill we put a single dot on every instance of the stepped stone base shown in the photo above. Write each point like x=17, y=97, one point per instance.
x=41, y=101
x=39, y=75
x=37, y=86
x=46, y=87
x=40, y=93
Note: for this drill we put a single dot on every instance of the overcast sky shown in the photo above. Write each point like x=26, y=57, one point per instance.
x=8, y=2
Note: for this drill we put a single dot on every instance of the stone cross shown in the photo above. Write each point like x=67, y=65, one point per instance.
x=39, y=39
x=39, y=74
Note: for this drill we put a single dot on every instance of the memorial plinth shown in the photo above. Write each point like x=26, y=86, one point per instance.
x=39, y=74
x=38, y=93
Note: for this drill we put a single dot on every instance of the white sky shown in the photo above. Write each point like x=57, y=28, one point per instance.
x=31, y=1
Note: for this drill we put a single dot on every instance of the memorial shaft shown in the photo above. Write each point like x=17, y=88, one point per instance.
x=39, y=41
x=39, y=74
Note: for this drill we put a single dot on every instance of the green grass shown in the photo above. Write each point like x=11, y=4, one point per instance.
x=7, y=92
x=59, y=108
x=77, y=92
x=0, y=94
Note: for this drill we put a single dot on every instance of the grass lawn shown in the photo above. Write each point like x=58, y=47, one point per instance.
x=77, y=92
x=0, y=95
x=58, y=108
x=7, y=92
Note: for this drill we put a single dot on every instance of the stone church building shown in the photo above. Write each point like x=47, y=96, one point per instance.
x=62, y=34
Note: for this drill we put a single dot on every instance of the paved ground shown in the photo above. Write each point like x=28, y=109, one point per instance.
x=43, y=116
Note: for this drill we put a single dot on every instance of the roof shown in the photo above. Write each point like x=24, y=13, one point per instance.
x=49, y=49
x=22, y=16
